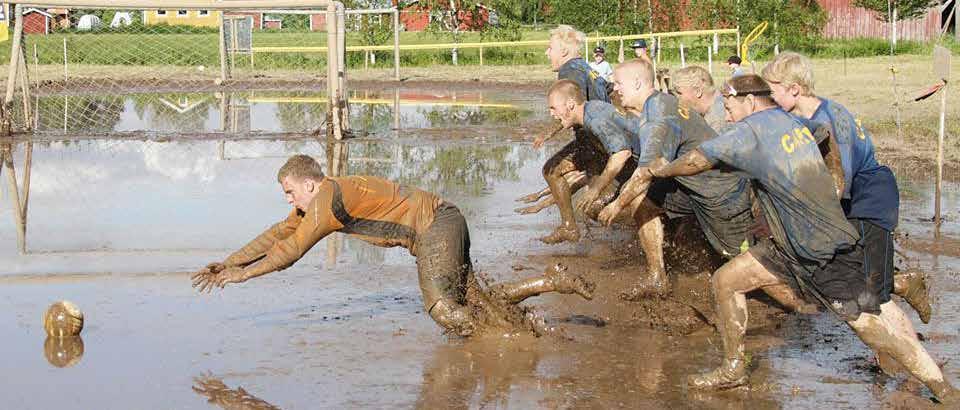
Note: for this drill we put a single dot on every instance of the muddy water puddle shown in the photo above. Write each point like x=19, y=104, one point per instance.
x=115, y=224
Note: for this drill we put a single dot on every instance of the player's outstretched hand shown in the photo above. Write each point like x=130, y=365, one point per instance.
x=206, y=280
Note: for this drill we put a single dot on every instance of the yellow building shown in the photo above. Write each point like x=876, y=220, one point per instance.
x=174, y=17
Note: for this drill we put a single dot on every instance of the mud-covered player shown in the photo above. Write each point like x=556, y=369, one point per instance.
x=386, y=214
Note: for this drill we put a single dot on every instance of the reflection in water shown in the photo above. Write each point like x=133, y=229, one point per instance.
x=492, y=369
x=116, y=192
x=19, y=193
x=239, y=112
x=63, y=351
x=218, y=394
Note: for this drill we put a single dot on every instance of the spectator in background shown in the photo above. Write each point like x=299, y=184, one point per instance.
x=600, y=64
x=735, y=69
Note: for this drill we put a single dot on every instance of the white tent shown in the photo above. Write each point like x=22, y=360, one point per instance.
x=121, y=18
x=88, y=22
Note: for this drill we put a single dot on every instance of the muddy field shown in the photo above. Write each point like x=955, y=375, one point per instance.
x=115, y=225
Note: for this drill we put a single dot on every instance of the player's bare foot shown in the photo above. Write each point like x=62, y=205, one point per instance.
x=566, y=282
x=655, y=285
x=730, y=374
x=562, y=234
x=911, y=285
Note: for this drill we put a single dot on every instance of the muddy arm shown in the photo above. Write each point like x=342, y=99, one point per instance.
x=538, y=142
x=691, y=163
x=614, y=166
x=831, y=156
x=258, y=247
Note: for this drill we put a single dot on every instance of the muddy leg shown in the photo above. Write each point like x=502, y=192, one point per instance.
x=651, y=241
x=785, y=296
x=731, y=283
x=556, y=279
x=883, y=335
x=554, y=171
x=911, y=285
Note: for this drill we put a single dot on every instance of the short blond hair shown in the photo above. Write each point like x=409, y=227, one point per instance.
x=641, y=66
x=693, y=76
x=571, y=38
x=567, y=89
x=790, y=68
x=301, y=166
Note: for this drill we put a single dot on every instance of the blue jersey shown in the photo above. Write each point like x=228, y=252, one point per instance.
x=870, y=189
x=591, y=83
x=611, y=128
x=795, y=188
x=720, y=200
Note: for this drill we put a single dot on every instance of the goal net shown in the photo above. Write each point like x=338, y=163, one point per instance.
x=180, y=66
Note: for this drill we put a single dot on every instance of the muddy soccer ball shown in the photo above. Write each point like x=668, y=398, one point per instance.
x=63, y=319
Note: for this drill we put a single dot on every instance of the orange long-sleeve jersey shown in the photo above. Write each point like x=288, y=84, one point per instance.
x=375, y=210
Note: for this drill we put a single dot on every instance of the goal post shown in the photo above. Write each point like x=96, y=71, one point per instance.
x=116, y=47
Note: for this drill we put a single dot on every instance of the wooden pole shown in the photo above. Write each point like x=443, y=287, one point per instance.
x=223, y=51
x=943, y=119
x=342, y=67
x=709, y=61
x=481, y=56
x=396, y=45
x=25, y=89
x=15, y=50
x=65, y=74
x=333, y=83
x=683, y=60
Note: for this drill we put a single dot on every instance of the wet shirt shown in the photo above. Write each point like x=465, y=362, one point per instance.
x=591, y=83
x=870, y=189
x=721, y=200
x=796, y=190
x=611, y=128
x=373, y=209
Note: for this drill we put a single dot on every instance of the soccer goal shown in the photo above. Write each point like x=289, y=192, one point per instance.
x=80, y=65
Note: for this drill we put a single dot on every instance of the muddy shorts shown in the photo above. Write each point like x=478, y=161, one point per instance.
x=841, y=284
x=667, y=194
x=877, y=258
x=443, y=257
x=583, y=154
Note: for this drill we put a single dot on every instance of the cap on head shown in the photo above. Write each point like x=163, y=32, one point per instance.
x=734, y=60
x=742, y=85
x=639, y=43
x=598, y=50
x=301, y=166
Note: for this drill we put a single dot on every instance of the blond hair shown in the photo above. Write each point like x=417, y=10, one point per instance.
x=300, y=166
x=790, y=68
x=571, y=39
x=641, y=66
x=567, y=89
x=693, y=76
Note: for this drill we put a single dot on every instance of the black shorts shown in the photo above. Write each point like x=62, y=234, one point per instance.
x=666, y=194
x=841, y=284
x=877, y=259
x=443, y=257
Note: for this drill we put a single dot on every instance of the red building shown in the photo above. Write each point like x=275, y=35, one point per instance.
x=36, y=21
x=849, y=21
x=415, y=17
